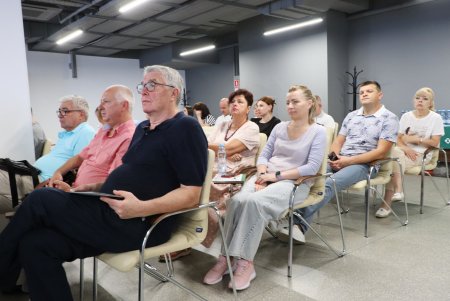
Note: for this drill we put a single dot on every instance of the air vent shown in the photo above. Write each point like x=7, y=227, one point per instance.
x=39, y=13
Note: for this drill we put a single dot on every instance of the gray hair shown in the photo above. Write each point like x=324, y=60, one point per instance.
x=170, y=75
x=78, y=103
x=123, y=93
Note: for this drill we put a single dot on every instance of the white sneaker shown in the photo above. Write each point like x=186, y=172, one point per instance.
x=398, y=196
x=381, y=212
x=297, y=235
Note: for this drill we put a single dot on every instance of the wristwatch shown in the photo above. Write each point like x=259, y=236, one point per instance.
x=278, y=175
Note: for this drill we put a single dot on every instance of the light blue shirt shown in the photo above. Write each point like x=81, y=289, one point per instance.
x=69, y=144
x=362, y=132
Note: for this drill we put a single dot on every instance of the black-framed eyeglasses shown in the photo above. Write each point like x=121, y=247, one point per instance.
x=150, y=86
x=64, y=112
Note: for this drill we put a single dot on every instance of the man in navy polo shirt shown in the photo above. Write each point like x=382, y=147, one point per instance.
x=162, y=171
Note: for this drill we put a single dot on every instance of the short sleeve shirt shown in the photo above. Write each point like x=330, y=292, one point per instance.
x=247, y=134
x=160, y=160
x=363, y=132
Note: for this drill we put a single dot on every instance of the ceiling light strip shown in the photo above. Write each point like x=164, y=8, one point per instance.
x=131, y=5
x=295, y=26
x=198, y=50
x=69, y=37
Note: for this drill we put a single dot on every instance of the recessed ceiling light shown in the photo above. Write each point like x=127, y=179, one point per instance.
x=69, y=37
x=295, y=26
x=194, y=51
x=131, y=5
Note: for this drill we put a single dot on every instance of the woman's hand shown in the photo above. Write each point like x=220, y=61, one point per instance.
x=264, y=178
x=410, y=153
x=236, y=157
x=259, y=187
x=129, y=207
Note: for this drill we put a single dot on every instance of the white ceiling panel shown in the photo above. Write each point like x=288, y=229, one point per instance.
x=189, y=11
x=110, y=26
x=97, y=51
x=43, y=46
x=144, y=28
x=227, y=13
x=137, y=44
x=111, y=41
x=168, y=30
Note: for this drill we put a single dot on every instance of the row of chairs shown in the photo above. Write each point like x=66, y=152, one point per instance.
x=193, y=225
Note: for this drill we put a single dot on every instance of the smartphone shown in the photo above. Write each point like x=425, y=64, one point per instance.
x=332, y=156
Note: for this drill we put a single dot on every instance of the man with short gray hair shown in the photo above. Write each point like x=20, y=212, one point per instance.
x=224, y=106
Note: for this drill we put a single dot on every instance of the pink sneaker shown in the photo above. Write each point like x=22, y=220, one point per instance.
x=215, y=274
x=244, y=274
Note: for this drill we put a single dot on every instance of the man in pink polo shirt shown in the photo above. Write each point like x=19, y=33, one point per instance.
x=105, y=151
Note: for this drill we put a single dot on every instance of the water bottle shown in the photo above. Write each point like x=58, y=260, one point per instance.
x=222, y=160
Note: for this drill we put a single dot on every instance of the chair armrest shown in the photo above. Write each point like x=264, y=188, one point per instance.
x=430, y=149
x=166, y=215
x=382, y=161
x=304, y=178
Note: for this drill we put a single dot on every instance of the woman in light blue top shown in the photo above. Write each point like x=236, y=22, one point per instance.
x=295, y=148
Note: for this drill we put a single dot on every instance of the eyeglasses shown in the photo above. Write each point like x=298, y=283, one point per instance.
x=150, y=86
x=64, y=112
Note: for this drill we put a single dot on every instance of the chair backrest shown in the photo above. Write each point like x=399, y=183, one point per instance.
x=195, y=220
x=317, y=190
x=262, y=143
x=336, y=130
x=47, y=147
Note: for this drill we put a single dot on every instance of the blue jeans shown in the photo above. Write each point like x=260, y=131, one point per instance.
x=344, y=178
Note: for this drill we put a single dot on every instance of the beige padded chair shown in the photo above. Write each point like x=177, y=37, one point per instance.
x=424, y=170
x=316, y=195
x=262, y=143
x=47, y=147
x=382, y=178
x=191, y=232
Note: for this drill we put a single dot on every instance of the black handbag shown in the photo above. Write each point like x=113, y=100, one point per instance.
x=23, y=168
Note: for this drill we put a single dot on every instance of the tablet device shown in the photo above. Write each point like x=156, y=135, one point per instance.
x=98, y=194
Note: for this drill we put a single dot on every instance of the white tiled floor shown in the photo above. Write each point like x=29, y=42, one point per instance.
x=395, y=263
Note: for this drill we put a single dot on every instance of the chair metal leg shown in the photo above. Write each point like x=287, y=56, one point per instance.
x=81, y=279
x=225, y=247
x=94, y=278
x=366, y=203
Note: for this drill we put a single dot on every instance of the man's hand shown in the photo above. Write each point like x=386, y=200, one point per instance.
x=57, y=176
x=61, y=185
x=129, y=207
x=341, y=162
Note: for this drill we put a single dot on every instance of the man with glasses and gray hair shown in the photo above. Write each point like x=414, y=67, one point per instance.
x=162, y=171
x=73, y=113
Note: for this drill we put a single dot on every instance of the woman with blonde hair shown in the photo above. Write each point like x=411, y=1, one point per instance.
x=295, y=148
x=419, y=129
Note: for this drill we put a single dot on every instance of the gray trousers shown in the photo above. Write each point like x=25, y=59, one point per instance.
x=249, y=212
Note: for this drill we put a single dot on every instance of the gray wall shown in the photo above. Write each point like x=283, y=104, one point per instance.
x=269, y=65
x=404, y=50
x=337, y=49
x=210, y=83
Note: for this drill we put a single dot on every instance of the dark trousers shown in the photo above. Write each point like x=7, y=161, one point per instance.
x=52, y=227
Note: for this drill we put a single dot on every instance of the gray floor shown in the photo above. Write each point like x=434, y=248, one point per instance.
x=395, y=263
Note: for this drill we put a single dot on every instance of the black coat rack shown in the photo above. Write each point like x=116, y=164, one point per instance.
x=354, y=85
